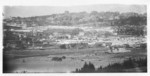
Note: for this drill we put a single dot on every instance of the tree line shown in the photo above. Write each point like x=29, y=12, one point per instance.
x=115, y=67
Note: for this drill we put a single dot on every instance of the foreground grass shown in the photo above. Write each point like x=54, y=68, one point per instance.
x=135, y=52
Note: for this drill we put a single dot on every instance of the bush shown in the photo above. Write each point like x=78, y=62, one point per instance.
x=126, y=45
x=144, y=45
x=57, y=59
x=63, y=46
x=63, y=57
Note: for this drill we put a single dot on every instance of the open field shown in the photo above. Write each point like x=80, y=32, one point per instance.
x=42, y=60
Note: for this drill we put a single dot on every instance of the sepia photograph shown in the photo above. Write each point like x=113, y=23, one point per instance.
x=94, y=38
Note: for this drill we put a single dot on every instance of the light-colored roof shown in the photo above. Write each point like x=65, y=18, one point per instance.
x=21, y=30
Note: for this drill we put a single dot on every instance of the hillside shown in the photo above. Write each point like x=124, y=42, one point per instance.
x=129, y=23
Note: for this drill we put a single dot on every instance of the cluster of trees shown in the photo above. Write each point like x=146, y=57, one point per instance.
x=116, y=67
x=19, y=40
x=13, y=41
x=86, y=68
x=132, y=25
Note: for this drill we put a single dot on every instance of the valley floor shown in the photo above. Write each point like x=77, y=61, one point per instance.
x=43, y=60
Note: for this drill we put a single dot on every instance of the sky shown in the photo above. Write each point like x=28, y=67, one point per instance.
x=28, y=11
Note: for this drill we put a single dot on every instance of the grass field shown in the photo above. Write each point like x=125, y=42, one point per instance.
x=41, y=60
